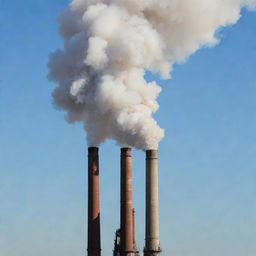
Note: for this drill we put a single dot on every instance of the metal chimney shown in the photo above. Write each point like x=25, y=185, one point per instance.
x=152, y=240
x=94, y=243
x=126, y=214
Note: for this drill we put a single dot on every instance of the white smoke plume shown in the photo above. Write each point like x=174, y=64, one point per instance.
x=109, y=44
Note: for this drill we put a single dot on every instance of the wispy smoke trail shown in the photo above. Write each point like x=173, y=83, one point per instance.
x=108, y=46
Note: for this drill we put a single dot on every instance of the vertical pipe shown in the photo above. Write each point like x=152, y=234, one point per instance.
x=126, y=203
x=136, y=252
x=133, y=229
x=94, y=243
x=152, y=240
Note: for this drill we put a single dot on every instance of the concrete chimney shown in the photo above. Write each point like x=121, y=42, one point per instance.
x=152, y=240
x=126, y=214
x=134, y=234
x=94, y=243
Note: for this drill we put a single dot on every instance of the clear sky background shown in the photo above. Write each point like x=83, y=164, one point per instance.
x=207, y=158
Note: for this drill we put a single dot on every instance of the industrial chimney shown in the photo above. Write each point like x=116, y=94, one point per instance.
x=94, y=243
x=152, y=240
x=126, y=213
x=135, y=248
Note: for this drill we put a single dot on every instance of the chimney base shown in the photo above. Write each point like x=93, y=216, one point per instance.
x=152, y=252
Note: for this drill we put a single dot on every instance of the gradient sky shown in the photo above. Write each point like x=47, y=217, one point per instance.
x=207, y=159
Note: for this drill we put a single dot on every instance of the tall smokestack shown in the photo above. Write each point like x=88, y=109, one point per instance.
x=134, y=233
x=94, y=243
x=152, y=240
x=126, y=214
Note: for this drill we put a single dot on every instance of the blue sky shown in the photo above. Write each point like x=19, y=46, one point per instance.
x=207, y=159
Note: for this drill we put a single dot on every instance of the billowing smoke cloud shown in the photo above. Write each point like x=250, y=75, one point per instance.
x=109, y=44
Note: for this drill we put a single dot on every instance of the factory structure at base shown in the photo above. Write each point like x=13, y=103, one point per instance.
x=125, y=241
